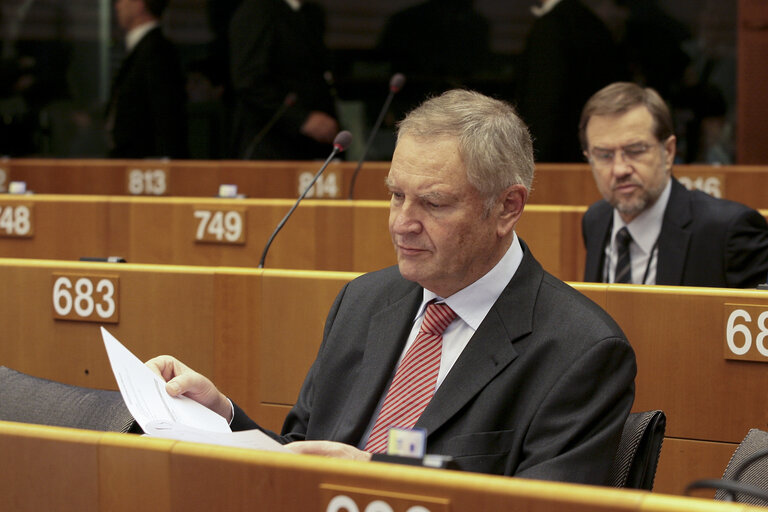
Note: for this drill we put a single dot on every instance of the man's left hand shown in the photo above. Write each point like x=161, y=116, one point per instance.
x=329, y=449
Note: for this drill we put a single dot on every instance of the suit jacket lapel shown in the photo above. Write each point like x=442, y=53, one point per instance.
x=387, y=335
x=601, y=229
x=674, y=237
x=490, y=349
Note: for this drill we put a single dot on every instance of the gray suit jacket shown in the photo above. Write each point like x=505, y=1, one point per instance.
x=542, y=390
x=704, y=241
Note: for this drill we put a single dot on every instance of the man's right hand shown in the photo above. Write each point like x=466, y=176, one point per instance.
x=182, y=380
x=320, y=126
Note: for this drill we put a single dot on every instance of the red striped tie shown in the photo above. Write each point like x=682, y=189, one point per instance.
x=415, y=378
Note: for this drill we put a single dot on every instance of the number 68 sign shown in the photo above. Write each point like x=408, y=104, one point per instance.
x=746, y=332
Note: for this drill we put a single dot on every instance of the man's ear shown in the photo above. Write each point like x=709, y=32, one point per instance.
x=670, y=147
x=512, y=202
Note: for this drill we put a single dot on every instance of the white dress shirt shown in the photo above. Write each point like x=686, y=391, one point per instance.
x=135, y=35
x=643, y=250
x=471, y=305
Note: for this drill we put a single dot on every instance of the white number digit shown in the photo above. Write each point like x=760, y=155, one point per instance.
x=6, y=219
x=159, y=182
x=147, y=176
x=732, y=329
x=305, y=179
x=136, y=182
x=234, y=226
x=760, y=339
x=203, y=215
x=84, y=292
x=339, y=503
x=61, y=291
x=686, y=181
x=417, y=508
x=327, y=186
x=3, y=179
x=21, y=223
x=378, y=506
x=106, y=298
x=712, y=186
x=216, y=225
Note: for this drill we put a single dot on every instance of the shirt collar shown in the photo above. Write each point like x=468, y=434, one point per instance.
x=541, y=10
x=133, y=37
x=472, y=303
x=294, y=4
x=645, y=228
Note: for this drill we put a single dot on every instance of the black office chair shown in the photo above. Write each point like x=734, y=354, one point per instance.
x=28, y=399
x=636, y=459
x=745, y=479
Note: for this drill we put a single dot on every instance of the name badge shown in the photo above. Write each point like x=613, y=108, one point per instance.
x=407, y=442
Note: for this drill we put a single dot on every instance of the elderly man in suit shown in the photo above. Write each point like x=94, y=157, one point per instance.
x=650, y=229
x=518, y=374
x=146, y=114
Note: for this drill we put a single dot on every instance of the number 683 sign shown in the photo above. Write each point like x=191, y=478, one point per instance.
x=85, y=298
x=746, y=332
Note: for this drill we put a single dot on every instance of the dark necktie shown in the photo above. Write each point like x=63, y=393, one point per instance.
x=624, y=263
x=414, y=382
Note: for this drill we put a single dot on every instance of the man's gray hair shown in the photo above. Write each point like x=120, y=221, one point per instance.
x=493, y=142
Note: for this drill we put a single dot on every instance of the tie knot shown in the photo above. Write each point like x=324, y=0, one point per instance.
x=623, y=237
x=437, y=318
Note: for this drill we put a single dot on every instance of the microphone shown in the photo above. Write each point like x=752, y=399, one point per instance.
x=340, y=143
x=288, y=102
x=395, y=84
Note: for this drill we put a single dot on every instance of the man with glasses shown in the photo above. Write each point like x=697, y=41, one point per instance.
x=650, y=229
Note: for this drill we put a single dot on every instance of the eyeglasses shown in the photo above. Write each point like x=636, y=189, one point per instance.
x=632, y=153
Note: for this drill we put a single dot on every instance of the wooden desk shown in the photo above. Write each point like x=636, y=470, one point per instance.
x=256, y=332
x=321, y=235
x=565, y=184
x=50, y=468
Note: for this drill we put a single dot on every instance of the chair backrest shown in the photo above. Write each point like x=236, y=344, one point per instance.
x=638, y=454
x=29, y=399
x=748, y=466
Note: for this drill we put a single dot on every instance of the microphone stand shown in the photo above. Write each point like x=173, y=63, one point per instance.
x=340, y=143
x=395, y=84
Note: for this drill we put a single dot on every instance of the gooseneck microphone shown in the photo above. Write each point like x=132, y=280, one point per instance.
x=395, y=84
x=340, y=143
x=288, y=102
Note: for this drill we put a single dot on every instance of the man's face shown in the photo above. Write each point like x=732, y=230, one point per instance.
x=631, y=167
x=127, y=12
x=443, y=237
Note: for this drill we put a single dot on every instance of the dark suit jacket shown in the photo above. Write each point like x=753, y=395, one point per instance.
x=704, y=241
x=542, y=390
x=276, y=51
x=148, y=102
x=569, y=55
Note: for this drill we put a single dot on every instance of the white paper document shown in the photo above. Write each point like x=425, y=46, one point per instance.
x=160, y=414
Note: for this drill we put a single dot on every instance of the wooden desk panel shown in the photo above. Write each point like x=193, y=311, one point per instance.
x=160, y=311
x=55, y=468
x=46, y=468
x=565, y=184
x=321, y=235
x=255, y=333
x=679, y=336
x=683, y=461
